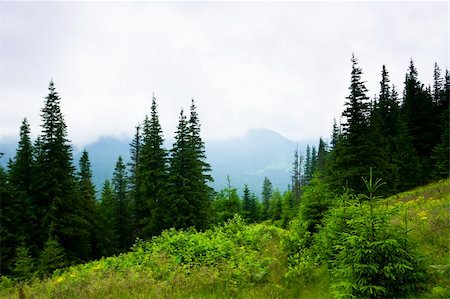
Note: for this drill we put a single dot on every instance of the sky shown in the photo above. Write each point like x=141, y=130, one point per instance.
x=283, y=66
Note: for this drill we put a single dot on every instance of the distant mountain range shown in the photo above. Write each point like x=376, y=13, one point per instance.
x=247, y=160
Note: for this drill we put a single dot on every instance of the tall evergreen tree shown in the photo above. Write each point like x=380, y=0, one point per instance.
x=96, y=223
x=179, y=206
x=200, y=171
x=382, y=131
x=421, y=121
x=134, y=180
x=249, y=205
x=296, y=178
x=108, y=208
x=322, y=156
x=59, y=210
x=188, y=175
x=313, y=166
x=266, y=195
x=20, y=181
x=352, y=153
x=122, y=212
x=8, y=212
x=441, y=152
x=152, y=213
x=308, y=170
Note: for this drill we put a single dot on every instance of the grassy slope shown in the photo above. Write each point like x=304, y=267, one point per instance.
x=239, y=261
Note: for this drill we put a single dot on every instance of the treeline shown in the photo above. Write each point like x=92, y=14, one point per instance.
x=403, y=138
x=50, y=215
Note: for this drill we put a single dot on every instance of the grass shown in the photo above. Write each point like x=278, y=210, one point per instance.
x=241, y=261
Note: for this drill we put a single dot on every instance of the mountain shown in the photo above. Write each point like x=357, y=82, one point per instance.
x=247, y=160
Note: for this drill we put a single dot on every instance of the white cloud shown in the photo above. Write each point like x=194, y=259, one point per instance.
x=283, y=66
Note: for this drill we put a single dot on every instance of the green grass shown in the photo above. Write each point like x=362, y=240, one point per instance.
x=241, y=261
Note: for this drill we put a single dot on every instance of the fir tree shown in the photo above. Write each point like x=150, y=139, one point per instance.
x=297, y=177
x=188, y=175
x=421, y=121
x=322, y=156
x=59, y=210
x=95, y=221
x=122, y=211
x=352, y=153
x=17, y=208
x=266, y=195
x=249, y=207
x=200, y=171
x=179, y=206
x=152, y=210
x=134, y=181
x=108, y=208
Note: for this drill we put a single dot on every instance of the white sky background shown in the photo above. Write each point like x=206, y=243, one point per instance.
x=278, y=65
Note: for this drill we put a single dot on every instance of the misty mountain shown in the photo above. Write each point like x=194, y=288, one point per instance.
x=247, y=160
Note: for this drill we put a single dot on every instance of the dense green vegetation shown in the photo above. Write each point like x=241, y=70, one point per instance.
x=243, y=260
x=328, y=235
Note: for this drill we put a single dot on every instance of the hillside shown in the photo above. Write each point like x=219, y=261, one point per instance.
x=236, y=260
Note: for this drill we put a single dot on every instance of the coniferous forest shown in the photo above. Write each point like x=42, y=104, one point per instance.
x=347, y=226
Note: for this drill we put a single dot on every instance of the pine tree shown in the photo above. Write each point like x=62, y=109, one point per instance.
x=188, y=175
x=297, y=177
x=59, y=210
x=322, y=156
x=313, y=166
x=122, y=212
x=52, y=257
x=179, y=206
x=17, y=214
x=8, y=212
x=266, y=195
x=108, y=208
x=308, y=166
x=200, y=172
x=352, y=153
x=152, y=211
x=94, y=219
x=24, y=267
x=134, y=180
x=382, y=131
x=249, y=208
x=441, y=152
x=419, y=112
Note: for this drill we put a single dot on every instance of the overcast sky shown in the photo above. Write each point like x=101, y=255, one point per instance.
x=278, y=65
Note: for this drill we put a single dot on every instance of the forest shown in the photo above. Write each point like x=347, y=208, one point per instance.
x=365, y=215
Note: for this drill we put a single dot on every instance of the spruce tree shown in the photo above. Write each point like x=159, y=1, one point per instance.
x=421, y=121
x=296, y=177
x=94, y=219
x=179, y=205
x=381, y=132
x=352, y=153
x=441, y=152
x=18, y=211
x=59, y=210
x=322, y=156
x=134, y=180
x=200, y=192
x=152, y=210
x=308, y=170
x=266, y=195
x=122, y=211
x=190, y=202
x=108, y=208
x=8, y=211
x=247, y=204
